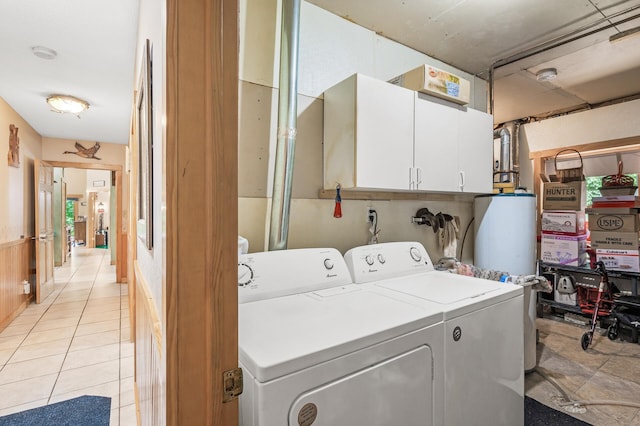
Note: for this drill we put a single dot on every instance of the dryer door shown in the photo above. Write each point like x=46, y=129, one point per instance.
x=397, y=391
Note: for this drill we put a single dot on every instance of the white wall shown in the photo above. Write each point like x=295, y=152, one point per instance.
x=152, y=26
x=331, y=49
x=617, y=121
x=77, y=185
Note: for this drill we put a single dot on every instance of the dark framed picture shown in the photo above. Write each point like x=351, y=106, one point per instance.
x=144, y=127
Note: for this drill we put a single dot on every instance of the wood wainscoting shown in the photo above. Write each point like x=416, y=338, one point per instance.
x=149, y=371
x=16, y=258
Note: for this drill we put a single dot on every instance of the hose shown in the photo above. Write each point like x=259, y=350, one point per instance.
x=602, y=402
x=575, y=403
x=555, y=384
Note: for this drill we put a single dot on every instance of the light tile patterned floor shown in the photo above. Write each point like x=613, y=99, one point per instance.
x=607, y=370
x=74, y=343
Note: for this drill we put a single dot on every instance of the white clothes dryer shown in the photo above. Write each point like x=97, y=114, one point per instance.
x=483, y=329
x=316, y=349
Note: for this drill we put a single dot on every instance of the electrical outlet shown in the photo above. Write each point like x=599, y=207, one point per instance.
x=371, y=212
x=368, y=214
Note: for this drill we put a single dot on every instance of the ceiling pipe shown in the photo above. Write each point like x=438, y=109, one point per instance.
x=287, y=122
x=556, y=42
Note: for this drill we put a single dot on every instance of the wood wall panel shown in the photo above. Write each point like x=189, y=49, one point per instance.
x=15, y=267
x=201, y=175
x=148, y=358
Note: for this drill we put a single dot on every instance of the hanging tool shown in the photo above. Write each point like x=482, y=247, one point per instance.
x=337, y=210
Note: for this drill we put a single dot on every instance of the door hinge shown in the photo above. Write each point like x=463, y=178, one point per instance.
x=232, y=383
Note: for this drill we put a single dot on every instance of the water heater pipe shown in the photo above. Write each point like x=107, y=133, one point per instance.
x=287, y=121
x=505, y=151
x=509, y=152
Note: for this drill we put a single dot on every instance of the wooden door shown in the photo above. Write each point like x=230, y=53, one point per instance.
x=64, y=232
x=43, y=178
x=91, y=221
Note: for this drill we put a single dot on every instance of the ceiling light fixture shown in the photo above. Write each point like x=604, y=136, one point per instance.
x=547, y=74
x=66, y=103
x=44, y=52
x=624, y=35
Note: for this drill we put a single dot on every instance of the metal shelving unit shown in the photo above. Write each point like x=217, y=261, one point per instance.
x=548, y=268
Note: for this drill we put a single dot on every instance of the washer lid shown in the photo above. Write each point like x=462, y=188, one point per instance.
x=286, y=334
x=458, y=294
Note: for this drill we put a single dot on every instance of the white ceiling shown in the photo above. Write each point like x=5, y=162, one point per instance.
x=96, y=42
x=474, y=34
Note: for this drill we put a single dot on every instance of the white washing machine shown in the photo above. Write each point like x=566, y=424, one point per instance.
x=317, y=349
x=483, y=329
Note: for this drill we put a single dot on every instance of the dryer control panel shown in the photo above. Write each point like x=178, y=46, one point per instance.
x=280, y=273
x=387, y=260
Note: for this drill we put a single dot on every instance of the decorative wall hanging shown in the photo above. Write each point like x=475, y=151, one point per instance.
x=14, y=147
x=144, y=132
x=85, y=152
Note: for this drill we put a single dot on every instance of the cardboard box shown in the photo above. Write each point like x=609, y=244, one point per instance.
x=614, y=240
x=613, y=222
x=567, y=222
x=570, y=250
x=435, y=82
x=619, y=260
x=564, y=196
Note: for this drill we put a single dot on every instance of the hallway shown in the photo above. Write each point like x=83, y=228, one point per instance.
x=74, y=343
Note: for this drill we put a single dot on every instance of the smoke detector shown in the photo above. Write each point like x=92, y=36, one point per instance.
x=546, y=74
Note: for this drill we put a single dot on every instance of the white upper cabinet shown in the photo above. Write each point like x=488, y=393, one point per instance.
x=436, y=144
x=368, y=135
x=475, y=152
x=453, y=147
x=378, y=136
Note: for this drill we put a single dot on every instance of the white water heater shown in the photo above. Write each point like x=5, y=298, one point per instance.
x=505, y=240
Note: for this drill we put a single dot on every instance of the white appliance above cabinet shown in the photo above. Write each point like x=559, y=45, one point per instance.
x=368, y=135
x=378, y=136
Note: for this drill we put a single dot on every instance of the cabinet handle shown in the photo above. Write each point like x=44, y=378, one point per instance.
x=411, y=181
x=461, y=180
x=419, y=173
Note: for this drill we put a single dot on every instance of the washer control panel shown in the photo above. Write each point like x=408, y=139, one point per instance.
x=387, y=260
x=280, y=273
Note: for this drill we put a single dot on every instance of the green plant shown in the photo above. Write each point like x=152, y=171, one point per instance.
x=70, y=215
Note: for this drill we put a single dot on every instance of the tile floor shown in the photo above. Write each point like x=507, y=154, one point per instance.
x=74, y=343
x=607, y=370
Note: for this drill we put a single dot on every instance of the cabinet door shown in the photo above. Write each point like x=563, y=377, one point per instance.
x=436, y=145
x=475, y=150
x=384, y=134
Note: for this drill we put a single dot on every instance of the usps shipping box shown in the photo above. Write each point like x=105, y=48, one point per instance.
x=570, y=250
x=563, y=221
x=564, y=196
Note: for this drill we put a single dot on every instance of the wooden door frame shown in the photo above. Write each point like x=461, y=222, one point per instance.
x=121, y=272
x=201, y=175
